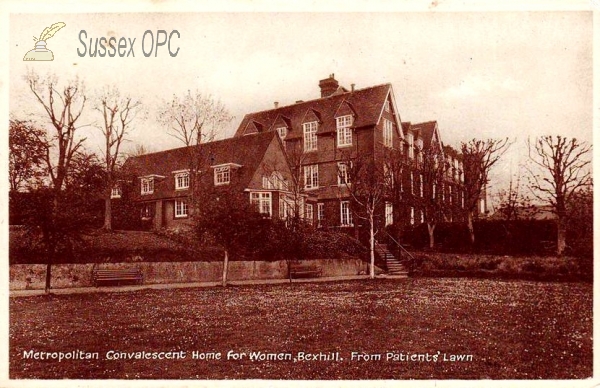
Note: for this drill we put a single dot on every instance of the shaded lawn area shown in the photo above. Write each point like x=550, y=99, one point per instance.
x=513, y=330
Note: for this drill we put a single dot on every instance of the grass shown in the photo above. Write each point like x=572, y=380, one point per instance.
x=513, y=330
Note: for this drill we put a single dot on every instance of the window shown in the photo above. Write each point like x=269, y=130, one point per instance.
x=421, y=185
x=115, y=192
x=311, y=176
x=147, y=211
x=343, y=173
x=147, y=186
x=262, y=201
x=320, y=212
x=282, y=131
x=309, y=213
x=433, y=191
x=388, y=132
x=412, y=215
x=389, y=213
x=182, y=180
x=412, y=183
x=284, y=208
x=386, y=106
x=275, y=181
x=462, y=199
x=345, y=213
x=181, y=209
x=422, y=216
x=344, y=131
x=388, y=176
x=310, y=136
x=482, y=206
x=411, y=150
x=450, y=194
x=222, y=175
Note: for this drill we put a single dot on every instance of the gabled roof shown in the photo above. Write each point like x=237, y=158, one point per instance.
x=366, y=103
x=246, y=151
x=425, y=131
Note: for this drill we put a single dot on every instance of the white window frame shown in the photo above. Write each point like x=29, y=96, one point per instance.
x=311, y=176
x=147, y=186
x=344, y=131
x=320, y=212
x=310, y=136
x=222, y=175
x=345, y=213
x=309, y=213
x=282, y=132
x=343, y=173
x=412, y=183
x=146, y=211
x=422, y=216
x=388, y=133
x=181, y=209
x=389, y=213
x=411, y=144
x=182, y=181
x=115, y=192
x=264, y=202
x=421, y=185
x=412, y=215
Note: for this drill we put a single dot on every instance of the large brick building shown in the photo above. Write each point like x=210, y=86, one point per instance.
x=323, y=134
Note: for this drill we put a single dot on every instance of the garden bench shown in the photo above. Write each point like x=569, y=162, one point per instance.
x=117, y=276
x=304, y=270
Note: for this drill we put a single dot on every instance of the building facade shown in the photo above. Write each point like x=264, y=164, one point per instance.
x=325, y=136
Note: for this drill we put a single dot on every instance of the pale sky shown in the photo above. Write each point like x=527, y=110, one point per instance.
x=479, y=74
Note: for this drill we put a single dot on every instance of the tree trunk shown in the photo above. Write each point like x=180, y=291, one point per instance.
x=372, y=246
x=107, y=214
x=470, y=226
x=225, y=265
x=48, y=273
x=561, y=237
x=431, y=229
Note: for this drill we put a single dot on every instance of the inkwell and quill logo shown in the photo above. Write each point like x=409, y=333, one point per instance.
x=40, y=52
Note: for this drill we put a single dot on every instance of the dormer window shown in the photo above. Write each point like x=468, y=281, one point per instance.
x=282, y=132
x=344, y=131
x=182, y=180
x=310, y=136
x=222, y=175
x=386, y=106
x=411, y=144
x=115, y=192
x=420, y=144
x=147, y=186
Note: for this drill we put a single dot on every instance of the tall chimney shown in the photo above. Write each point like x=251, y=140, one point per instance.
x=276, y=103
x=352, y=87
x=328, y=86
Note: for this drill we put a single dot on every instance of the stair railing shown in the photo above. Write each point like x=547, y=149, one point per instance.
x=399, y=245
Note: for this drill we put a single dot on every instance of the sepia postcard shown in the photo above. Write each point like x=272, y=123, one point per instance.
x=324, y=195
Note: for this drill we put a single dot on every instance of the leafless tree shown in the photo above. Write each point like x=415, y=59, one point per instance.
x=479, y=156
x=560, y=166
x=193, y=119
x=511, y=200
x=118, y=112
x=432, y=170
x=63, y=107
x=364, y=181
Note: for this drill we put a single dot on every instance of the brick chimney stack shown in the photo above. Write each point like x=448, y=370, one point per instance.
x=328, y=86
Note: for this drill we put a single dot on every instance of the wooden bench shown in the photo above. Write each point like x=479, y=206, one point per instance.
x=117, y=276
x=304, y=270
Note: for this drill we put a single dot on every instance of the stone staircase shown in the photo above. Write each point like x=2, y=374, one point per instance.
x=394, y=267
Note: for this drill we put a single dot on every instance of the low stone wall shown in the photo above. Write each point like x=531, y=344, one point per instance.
x=32, y=276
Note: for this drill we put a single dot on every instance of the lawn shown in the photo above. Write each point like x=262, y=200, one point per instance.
x=500, y=330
